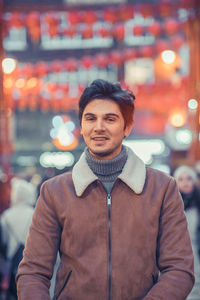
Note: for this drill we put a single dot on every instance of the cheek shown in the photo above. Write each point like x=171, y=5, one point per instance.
x=84, y=130
x=190, y=185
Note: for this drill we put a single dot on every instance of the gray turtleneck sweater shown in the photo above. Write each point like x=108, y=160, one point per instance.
x=107, y=170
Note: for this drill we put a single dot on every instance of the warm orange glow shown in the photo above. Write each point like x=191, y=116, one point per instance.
x=73, y=145
x=177, y=119
x=8, y=83
x=165, y=70
x=32, y=83
x=20, y=83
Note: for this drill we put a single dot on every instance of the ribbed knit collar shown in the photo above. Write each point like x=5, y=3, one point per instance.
x=133, y=173
x=107, y=169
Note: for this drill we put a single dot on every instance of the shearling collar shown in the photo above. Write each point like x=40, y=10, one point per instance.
x=133, y=173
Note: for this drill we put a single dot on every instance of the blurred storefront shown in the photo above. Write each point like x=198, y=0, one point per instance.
x=151, y=47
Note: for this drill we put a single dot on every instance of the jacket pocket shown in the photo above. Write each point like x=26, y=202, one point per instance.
x=64, y=285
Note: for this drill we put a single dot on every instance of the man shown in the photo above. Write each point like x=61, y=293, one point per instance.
x=119, y=226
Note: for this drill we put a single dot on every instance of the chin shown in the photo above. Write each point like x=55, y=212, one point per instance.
x=100, y=153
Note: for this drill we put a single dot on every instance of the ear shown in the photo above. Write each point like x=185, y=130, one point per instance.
x=128, y=129
x=81, y=131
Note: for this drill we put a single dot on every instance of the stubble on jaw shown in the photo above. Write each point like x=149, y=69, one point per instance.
x=103, y=153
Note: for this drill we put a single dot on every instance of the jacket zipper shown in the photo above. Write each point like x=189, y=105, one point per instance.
x=65, y=283
x=109, y=202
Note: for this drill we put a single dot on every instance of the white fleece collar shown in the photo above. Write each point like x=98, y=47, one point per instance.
x=133, y=173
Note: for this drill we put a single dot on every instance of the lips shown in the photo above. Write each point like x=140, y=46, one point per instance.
x=99, y=138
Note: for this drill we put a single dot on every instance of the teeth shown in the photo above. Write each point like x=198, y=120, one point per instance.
x=99, y=139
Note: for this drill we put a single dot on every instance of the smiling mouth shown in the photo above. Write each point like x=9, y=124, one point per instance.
x=99, y=138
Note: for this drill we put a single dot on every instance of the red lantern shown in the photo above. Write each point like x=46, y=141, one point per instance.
x=104, y=32
x=56, y=66
x=171, y=26
x=5, y=27
x=16, y=73
x=16, y=20
x=119, y=32
x=53, y=31
x=51, y=87
x=87, y=32
x=41, y=69
x=33, y=19
x=35, y=33
x=81, y=88
x=74, y=18
x=177, y=42
x=89, y=17
x=70, y=31
x=32, y=86
x=65, y=88
x=129, y=54
x=161, y=45
x=33, y=24
x=146, y=10
x=138, y=30
x=101, y=60
x=29, y=70
x=52, y=20
x=186, y=3
x=146, y=51
x=110, y=15
x=155, y=29
x=87, y=62
x=116, y=57
x=165, y=8
x=70, y=64
x=125, y=13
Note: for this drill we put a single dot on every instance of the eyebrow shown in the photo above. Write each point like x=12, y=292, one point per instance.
x=107, y=115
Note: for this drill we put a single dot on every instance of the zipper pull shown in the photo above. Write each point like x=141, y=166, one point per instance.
x=109, y=200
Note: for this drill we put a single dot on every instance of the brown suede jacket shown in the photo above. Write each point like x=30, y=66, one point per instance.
x=130, y=245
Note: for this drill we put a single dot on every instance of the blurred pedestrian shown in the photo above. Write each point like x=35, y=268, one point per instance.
x=119, y=225
x=197, y=169
x=14, y=223
x=187, y=182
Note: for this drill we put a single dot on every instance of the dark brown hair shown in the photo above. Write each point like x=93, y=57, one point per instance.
x=102, y=89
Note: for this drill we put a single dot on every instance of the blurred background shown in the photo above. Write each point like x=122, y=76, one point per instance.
x=51, y=50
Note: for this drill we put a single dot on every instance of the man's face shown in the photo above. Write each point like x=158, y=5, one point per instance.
x=103, y=128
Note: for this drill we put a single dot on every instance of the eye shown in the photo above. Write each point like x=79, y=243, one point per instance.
x=89, y=118
x=110, y=119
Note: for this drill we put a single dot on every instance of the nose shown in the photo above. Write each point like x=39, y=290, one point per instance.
x=99, y=125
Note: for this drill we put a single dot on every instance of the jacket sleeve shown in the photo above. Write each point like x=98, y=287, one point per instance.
x=174, y=251
x=36, y=268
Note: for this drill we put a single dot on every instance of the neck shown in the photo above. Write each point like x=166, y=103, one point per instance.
x=109, y=167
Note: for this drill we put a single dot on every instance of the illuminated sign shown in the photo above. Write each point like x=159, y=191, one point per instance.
x=62, y=133
x=58, y=160
x=145, y=149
